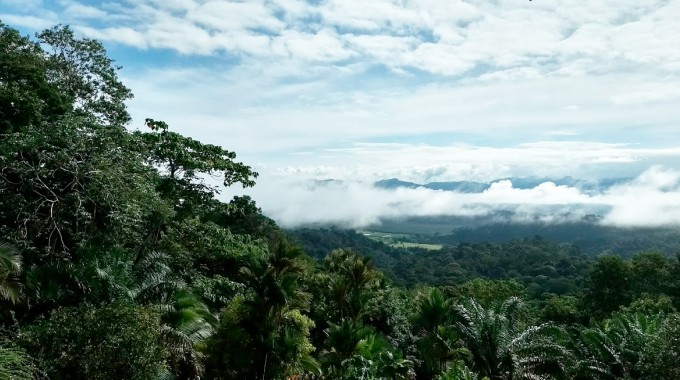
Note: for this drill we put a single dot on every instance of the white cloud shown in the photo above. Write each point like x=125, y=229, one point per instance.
x=652, y=199
x=31, y=4
x=420, y=90
x=234, y=16
x=371, y=16
x=28, y=21
x=447, y=38
x=323, y=46
x=257, y=110
x=82, y=11
x=124, y=35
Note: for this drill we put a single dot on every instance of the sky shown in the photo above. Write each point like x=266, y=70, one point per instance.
x=428, y=90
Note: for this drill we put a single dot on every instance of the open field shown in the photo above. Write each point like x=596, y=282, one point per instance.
x=398, y=240
x=432, y=247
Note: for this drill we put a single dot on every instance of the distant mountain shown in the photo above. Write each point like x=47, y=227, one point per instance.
x=459, y=186
x=325, y=182
x=394, y=183
x=517, y=182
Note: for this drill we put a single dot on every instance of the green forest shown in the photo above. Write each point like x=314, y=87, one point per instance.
x=119, y=261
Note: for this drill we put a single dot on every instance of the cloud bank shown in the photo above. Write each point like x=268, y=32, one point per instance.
x=650, y=200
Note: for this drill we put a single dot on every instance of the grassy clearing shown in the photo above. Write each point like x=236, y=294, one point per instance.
x=432, y=247
x=377, y=235
x=395, y=240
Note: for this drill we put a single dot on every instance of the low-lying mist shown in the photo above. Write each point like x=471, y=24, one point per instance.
x=652, y=199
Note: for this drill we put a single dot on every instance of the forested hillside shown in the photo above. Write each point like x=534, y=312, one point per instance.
x=588, y=234
x=118, y=261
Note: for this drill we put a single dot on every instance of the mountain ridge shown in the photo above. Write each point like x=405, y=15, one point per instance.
x=469, y=187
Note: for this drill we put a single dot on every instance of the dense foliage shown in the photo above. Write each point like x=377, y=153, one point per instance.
x=542, y=266
x=117, y=261
x=592, y=237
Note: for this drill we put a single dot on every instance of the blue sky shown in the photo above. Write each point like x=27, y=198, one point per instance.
x=425, y=90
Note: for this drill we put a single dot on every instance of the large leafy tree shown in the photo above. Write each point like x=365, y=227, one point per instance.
x=81, y=70
x=183, y=161
x=70, y=172
x=650, y=273
x=609, y=285
x=73, y=177
x=98, y=214
x=27, y=93
x=115, y=341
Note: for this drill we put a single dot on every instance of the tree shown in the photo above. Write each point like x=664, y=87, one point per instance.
x=501, y=348
x=10, y=267
x=566, y=310
x=15, y=364
x=650, y=272
x=72, y=175
x=239, y=350
x=80, y=69
x=615, y=349
x=435, y=341
x=186, y=326
x=263, y=332
x=242, y=216
x=609, y=286
x=185, y=320
x=355, y=351
x=351, y=283
x=183, y=160
x=660, y=358
x=27, y=96
x=115, y=341
x=486, y=292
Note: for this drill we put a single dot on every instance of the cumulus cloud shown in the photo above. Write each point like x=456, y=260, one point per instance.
x=425, y=90
x=310, y=75
x=447, y=38
x=237, y=107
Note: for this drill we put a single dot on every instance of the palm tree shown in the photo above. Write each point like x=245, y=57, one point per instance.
x=614, y=350
x=10, y=267
x=352, y=278
x=502, y=349
x=15, y=364
x=272, y=277
x=341, y=342
x=432, y=328
x=186, y=326
x=355, y=351
x=186, y=321
x=459, y=371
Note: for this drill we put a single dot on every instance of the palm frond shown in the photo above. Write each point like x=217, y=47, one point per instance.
x=10, y=267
